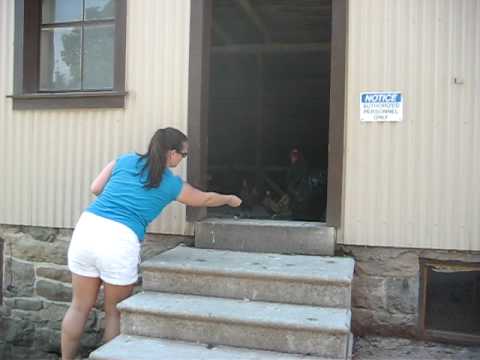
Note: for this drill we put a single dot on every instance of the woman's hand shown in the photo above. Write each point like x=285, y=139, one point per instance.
x=234, y=201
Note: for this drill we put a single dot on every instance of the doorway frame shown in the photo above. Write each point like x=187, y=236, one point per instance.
x=198, y=93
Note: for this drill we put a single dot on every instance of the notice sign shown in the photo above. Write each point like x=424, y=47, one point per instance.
x=381, y=106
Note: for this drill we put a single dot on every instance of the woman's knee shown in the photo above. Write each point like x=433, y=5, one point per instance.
x=111, y=309
x=115, y=294
x=81, y=306
x=81, y=309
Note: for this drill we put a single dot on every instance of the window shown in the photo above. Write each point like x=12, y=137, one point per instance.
x=69, y=53
x=450, y=301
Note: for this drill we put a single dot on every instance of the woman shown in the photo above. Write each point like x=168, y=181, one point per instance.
x=105, y=246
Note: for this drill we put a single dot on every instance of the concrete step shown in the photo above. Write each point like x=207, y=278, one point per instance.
x=251, y=324
x=126, y=347
x=294, y=279
x=291, y=237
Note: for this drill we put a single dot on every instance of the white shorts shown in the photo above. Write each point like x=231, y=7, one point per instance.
x=104, y=248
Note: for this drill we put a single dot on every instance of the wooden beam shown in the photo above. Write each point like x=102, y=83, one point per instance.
x=252, y=14
x=271, y=48
x=246, y=168
x=198, y=77
x=338, y=98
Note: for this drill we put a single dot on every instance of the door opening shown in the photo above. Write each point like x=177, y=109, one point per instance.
x=268, y=107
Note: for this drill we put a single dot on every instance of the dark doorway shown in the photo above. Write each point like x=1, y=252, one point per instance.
x=205, y=35
x=269, y=107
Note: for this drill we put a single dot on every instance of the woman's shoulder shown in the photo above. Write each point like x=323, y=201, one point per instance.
x=127, y=160
x=170, y=179
x=172, y=183
x=168, y=174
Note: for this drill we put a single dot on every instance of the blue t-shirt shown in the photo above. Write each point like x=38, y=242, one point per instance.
x=125, y=199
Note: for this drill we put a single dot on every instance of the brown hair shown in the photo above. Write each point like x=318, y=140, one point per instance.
x=155, y=158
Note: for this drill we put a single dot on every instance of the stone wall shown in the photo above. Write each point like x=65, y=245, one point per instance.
x=37, y=291
x=385, y=294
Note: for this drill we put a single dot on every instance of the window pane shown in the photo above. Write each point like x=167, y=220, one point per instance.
x=54, y=11
x=99, y=9
x=98, y=57
x=60, y=57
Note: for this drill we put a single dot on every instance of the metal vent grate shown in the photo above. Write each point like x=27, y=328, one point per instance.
x=450, y=301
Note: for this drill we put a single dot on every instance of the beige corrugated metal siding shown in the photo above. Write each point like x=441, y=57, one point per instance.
x=414, y=183
x=48, y=158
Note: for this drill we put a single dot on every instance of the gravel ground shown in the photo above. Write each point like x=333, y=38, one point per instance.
x=383, y=348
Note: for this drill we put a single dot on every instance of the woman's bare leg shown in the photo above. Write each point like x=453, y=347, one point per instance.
x=113, y=295
x=85, y=291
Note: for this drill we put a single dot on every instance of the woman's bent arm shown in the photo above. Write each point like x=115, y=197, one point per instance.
x=99, y=183
x=197, y=198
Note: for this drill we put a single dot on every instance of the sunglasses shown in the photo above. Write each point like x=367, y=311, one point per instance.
x=184, y=154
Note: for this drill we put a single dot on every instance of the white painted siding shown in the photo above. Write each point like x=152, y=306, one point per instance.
x=414, y=183
x=49, y=158
x=409, y=184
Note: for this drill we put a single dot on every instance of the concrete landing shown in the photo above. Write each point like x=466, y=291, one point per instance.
x=285, y=237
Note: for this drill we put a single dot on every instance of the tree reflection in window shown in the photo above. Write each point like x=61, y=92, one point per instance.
x=77, y=49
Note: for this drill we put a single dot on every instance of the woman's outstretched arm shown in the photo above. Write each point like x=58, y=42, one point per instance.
x=197, y=198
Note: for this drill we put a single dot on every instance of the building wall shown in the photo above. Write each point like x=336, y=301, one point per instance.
x=48, y=158
x=408, y=184
x=414, y=183
x=386, y=288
